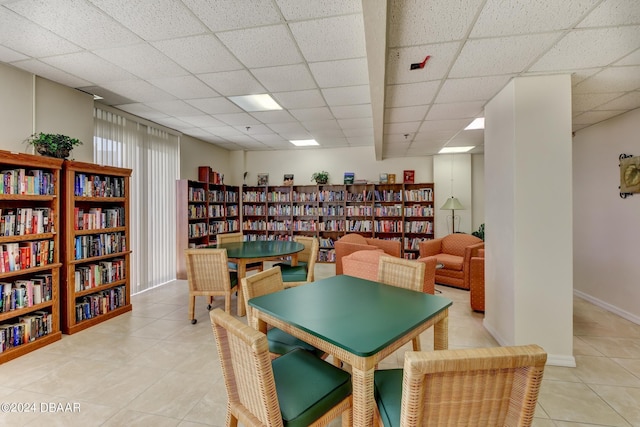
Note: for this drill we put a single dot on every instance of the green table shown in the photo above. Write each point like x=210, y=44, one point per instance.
x=243, y=253
x=355, y=320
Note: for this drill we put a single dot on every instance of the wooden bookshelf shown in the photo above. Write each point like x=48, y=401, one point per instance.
x=30, y=277
x=96, y=239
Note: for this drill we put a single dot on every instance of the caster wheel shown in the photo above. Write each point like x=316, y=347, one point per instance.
x=209, y=307
x=194, y=321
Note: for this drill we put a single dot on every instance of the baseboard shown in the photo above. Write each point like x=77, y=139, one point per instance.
x=609, y=307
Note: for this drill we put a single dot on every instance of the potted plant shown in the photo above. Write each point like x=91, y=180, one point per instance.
x=480, y=233
x=320, y=177
x=53, y=145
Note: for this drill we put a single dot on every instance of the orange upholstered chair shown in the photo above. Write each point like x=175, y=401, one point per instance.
x=365, y=264
x=454, y=252
x=476, y=282
x=353, y=242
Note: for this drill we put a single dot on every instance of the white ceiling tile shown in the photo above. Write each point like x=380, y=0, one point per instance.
x=356, y=123
x=333, y=142
x=471, y=89
x=347, y=95
x=77, y=21
x=139, y=90
x=614, y=79
x=502, y=55
x=174, y=123
x=593, y=117
x=300, y=99
x=201, y=121
x=185, y=87
x=270, y=138
x=628, y=101
x=346, y=72
x=92, y=67
x=631, y=59
x=199, y=54
x=288, y=127
x=339, y=37
x=405, y=114
x=142, y=110
x=398, y=138
x=360, y=141
x=444, y=125
x=295, y=9
x=278, y=116
x=219, y=105
x=351, y=132
x=174, y=108
x=143, y=60
x=328, y=134
x=27, y=38
x=319, y=125
x=399, y=62
x=352, y=111
x=467, y=137
x=262, y=46
x=10, y=55
x=237, y=119
x=401, y=128
x=613, y=12
x=588, y=101
x=231, y=83
x=244, y=140
x=157, y=20
x=254, y=129
x=308, y=114
x=438, y=135
x=590, y=48
x=54, y=74
x=222, y=15
x=455, y=110
x=285, y=78
x=501, y=18
x=223, y=131
x=411, y=22
x=411, y=94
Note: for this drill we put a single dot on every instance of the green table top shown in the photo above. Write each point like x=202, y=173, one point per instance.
x=261, y=248
x=357, y=315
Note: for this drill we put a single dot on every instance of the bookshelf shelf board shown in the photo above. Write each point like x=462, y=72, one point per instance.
x=98, y=258
x=29, y=271
x=26, y=237
x=102, y=287
x=99, y=199
x=27, y=197
x=24, y=310
x=99, y=231
x=84, y=324
x=23, y=349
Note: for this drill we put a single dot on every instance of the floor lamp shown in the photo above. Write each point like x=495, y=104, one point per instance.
x=452, y=204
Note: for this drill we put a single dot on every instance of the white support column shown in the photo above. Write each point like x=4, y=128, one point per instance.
x=528, y=203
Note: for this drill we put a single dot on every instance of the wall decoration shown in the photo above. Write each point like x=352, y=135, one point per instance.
x=629, y=175
x=263, y=179
x=288, y=179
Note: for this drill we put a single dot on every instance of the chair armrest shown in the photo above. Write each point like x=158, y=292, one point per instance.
x=390, y=247
x=470, y=251
x=430, y=247
x=429, y=274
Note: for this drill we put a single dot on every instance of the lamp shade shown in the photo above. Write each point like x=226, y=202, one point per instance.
x=452, y=203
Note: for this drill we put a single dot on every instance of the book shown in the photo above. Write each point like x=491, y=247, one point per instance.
x=288, y=179
x=349, y=177
x=391, y=178
x=384, y=178
x=409, y=176
x=263, y=179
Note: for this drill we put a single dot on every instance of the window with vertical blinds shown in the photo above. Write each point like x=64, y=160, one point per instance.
x=153, y=155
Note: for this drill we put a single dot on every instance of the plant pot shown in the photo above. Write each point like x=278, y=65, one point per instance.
x=60, y=153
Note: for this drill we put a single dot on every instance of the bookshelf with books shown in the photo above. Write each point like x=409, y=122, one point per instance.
x=254, y=212
x=96, y=238
x=359, y=209
x=332, y=219
x=223, y=210
x=29, y=253
x=418, y=213
x=387, y=211
x=279, y=212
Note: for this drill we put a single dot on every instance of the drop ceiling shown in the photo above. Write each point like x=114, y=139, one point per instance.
x=339, y=68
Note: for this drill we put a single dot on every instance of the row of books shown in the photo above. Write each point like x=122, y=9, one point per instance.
x=254, y=196
x=26, y=181
x=25, y=221
x=23, y=255
x=100, y=303
x=28, y=329
x=198, y=229
x=327, y=255
x=255, y=210
x=95, y=275
x=413, y=244
x=98, y=218
x=227, y=226
x=197, y=195
x=25, y=292
x=196, y=211
x=220, y=210
x=219, y=196
x=98, y=186
x=99, y=244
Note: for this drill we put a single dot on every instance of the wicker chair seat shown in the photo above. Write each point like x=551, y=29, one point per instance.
x=296, y=273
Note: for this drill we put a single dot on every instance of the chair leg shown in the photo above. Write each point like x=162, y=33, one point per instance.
x=416, y=344
x=227, y=302
x=192, y=307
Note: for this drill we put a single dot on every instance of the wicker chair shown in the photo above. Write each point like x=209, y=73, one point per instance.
x=297, y=388
x=472, y=387
x=208, y=275
x=304, y=271
x=236, y=237
x=402, y=273
x=263, y=283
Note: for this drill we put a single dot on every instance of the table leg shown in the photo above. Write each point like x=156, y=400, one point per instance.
x=242, y=272
x=441, y=333
x=363, y=399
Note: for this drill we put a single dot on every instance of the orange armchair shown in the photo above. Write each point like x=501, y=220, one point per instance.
x=454, y=252
x=477, y=282
x=351, y=243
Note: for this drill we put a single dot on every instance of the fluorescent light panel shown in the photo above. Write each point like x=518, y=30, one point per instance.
x=476, y=124
x=449, y=150
x=304, y=142
x=262, y=102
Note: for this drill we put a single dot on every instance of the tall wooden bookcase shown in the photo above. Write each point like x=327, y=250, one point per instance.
x=30, y=260
x=203, y=210
x=97, y=259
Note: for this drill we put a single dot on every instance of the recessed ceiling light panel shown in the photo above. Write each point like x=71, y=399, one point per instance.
x=476, y=124
x=450, y=150
x=251, y=103
x=304, y=142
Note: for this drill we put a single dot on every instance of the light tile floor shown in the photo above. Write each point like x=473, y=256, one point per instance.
x=151, y=367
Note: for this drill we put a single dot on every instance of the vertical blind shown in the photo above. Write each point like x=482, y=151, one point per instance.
x=153, y=155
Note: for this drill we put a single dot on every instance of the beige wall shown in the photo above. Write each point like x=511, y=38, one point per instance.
x=195, y=153
x=16, y=108
x=606, y=227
